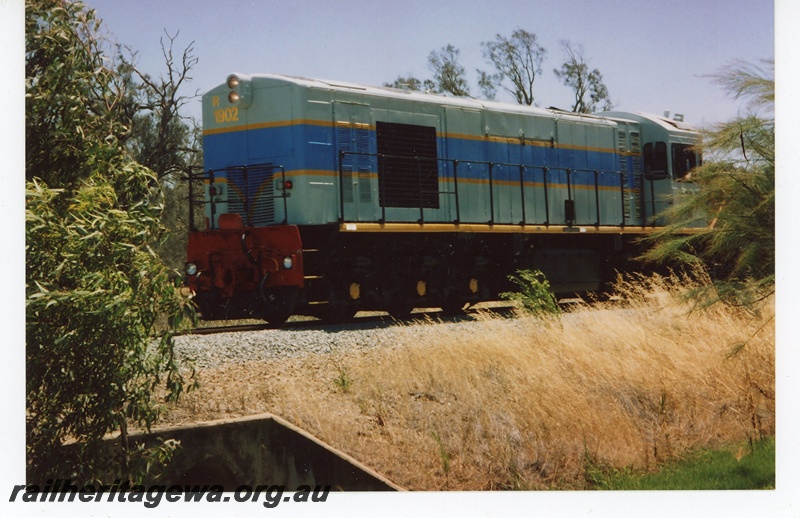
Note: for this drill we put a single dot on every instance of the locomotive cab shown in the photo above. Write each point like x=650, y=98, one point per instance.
x=669, y=153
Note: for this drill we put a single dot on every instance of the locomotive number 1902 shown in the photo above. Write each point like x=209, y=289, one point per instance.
x=226, y=115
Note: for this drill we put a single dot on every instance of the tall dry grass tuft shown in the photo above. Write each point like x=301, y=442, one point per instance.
x=528, y=402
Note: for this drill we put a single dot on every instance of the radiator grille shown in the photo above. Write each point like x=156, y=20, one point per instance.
x=636, y=149
x=408, y=170
x=251, y=194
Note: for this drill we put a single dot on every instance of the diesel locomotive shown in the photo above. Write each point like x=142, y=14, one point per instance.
x=326, y=198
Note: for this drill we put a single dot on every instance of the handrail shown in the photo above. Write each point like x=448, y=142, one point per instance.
x=492, y=167
x=209, y=175
x=622, y=196
x=192, y=177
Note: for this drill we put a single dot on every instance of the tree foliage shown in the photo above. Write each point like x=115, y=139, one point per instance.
x=737, y=196
x=448, y=75
x=587, y=85
x=487, y=83
x=95, y=289
x=72, y=97
x=517, y=60
x=161, y=138
x=409, y=82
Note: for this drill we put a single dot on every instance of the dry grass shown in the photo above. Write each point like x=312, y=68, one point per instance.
x=525, y=403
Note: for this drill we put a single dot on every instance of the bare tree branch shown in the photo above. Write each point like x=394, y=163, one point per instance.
x=587, y=85
x=518, y=59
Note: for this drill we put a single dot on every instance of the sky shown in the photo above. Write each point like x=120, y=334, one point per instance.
x=654, y=56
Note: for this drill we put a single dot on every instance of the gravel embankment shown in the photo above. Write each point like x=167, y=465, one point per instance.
x=222, y=349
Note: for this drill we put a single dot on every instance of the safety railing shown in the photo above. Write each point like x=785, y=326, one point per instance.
x=251, y=199
x=448, y=169
x=549, y=182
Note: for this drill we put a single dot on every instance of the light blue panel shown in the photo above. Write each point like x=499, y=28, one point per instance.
x=291, y=123
x=270, y=145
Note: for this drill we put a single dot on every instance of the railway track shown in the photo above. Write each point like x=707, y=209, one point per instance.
x=245, y=342
x=367, y=319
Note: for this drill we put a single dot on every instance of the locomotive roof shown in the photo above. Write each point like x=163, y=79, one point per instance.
x=463, y=102
x=666, y=123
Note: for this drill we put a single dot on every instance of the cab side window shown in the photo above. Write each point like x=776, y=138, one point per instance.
x=684, y=160
x=655, y=160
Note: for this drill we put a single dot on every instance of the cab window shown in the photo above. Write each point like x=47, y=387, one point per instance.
x=684, y=159
x=655, y=160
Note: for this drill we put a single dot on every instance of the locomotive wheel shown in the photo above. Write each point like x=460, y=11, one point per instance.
x=276, y=316
x=279, y=303
x=453, y=308
x=343, y=303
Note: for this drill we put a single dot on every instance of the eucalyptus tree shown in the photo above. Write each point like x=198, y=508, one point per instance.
x=162, y=138
x=449, y=76
x=411, y=82
x=590, y=93
x=516, y=60
x=97, y=358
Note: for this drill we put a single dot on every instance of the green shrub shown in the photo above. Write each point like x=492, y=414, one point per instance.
x=96, y=362
x=535, y=295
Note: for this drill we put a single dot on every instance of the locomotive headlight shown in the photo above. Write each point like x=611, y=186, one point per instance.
x=287, y=263
x=191, y=268
x=240, y=90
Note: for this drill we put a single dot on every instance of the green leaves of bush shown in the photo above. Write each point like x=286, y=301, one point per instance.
x=95, y=294
x=535, y=295
x=100, y=304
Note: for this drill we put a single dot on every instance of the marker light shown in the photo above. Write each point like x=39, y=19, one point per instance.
x=191, y=268
x=233, y=81
x=287, y=263
x=234, y=97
